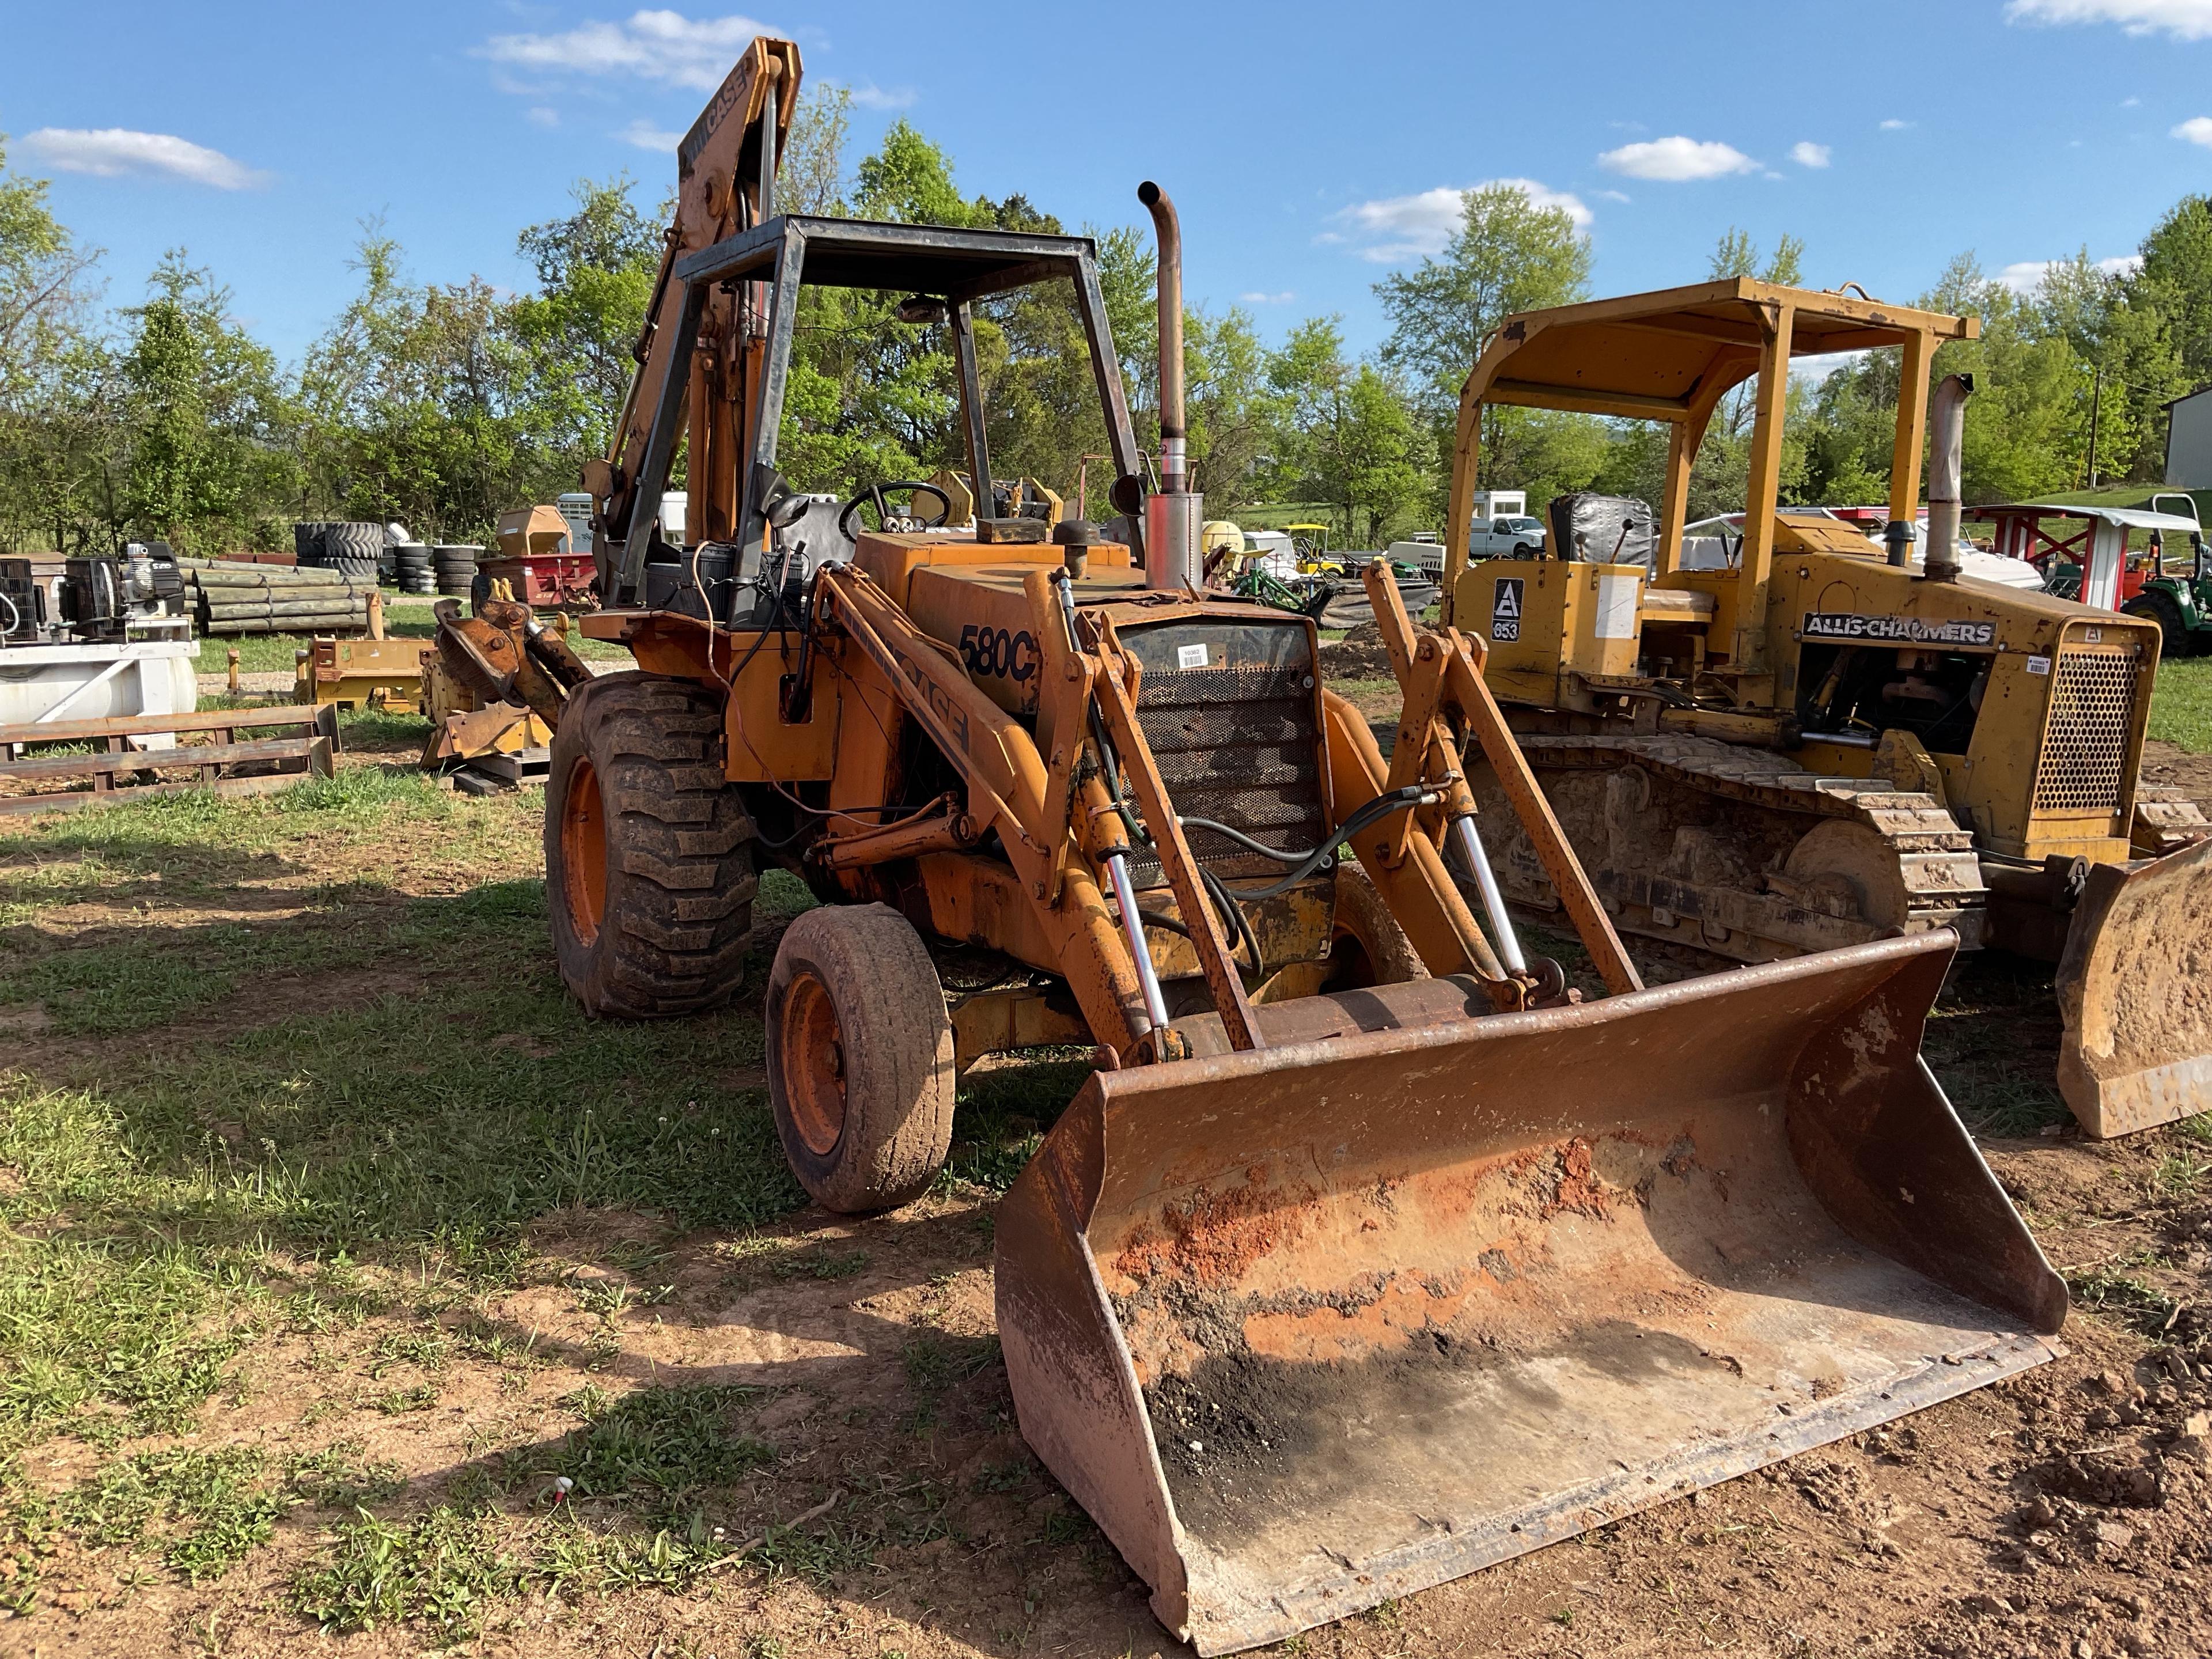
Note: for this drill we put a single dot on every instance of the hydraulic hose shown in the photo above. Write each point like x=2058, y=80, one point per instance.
x=1397, y=800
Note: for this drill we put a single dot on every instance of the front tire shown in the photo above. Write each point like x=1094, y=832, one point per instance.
x=859, y=1058
x=649, y=851
x=1368, y=947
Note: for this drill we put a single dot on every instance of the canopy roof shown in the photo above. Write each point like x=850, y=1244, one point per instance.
x=2123, y=518
x=936, y=259
x=1650, y=356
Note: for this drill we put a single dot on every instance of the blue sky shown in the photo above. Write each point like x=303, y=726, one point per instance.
x=1310, y=152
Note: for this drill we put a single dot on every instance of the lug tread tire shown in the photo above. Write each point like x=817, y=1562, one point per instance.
x=899, y=1077
x=678, y=900
x=2173, y=631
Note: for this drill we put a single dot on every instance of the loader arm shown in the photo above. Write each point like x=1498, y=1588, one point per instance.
x=1445, y=665
x=1008, y=783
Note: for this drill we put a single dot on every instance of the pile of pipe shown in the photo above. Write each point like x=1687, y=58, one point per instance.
x=268, y=598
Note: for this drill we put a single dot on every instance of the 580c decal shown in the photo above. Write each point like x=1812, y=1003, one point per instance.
x=996, y=652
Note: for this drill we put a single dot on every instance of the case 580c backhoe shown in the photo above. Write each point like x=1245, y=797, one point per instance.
x=1817, y=746
x=1369, y=1255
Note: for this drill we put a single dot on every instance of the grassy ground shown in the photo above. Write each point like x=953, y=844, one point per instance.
x=292, y=1095
x=351, y=1282
x=2181, y=709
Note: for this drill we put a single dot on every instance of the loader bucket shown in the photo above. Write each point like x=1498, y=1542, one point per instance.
x=2135, y=988
x=1313, y=1326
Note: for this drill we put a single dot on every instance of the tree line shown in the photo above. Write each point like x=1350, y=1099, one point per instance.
x=443, y=404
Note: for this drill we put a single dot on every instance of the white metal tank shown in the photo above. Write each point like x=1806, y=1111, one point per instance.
x=89, y=682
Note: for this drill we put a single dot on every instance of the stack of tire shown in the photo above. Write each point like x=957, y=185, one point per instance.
x=411, y=564
x=455, y=564
x=354, y=550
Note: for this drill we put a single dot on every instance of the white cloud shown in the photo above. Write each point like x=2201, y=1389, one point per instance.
x=2184, y=20
x=2027, y=275
x=1893, y=124
x=2197, y=130
x=116, y=152
x=543, y=117
x=1400, y=227
x=1810, y=154
x=2130, y=103
x=869, y=95
x=1676, y=160
x=1613, y=196
x=1258, y=299
x=646, y=136
x=653, y=46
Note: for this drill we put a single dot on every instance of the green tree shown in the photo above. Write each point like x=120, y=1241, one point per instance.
x=812, y=175
x=1721, y=474
x=58, y=429
x=209, y=464
x=1508, y=255
x=575, y=335
x=414, y=404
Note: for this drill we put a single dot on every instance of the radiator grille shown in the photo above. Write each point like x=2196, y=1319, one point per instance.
x=1237, y=741
x=2085, y=741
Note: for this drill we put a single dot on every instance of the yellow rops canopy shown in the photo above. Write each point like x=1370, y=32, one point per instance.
x=1670, y=355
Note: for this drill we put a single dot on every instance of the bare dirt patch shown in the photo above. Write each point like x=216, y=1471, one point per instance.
x=2170, y=764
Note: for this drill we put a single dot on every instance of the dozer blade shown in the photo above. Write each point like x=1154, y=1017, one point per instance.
x=2135, y=988
x=1314, y=1324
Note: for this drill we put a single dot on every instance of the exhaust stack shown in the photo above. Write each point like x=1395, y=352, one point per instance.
x=1173, y=516
x=1947, y=427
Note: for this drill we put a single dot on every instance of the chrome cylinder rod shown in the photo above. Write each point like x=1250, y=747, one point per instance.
x=1493, y=901
x=1156, y=1007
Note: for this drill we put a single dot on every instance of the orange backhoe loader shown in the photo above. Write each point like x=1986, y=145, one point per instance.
x=1370, y=1254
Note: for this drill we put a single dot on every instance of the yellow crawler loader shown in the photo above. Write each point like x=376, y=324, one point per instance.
x=1799, y=739
x=1370, y=1254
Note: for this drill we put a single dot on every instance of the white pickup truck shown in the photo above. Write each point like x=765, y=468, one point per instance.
x=1509, y=536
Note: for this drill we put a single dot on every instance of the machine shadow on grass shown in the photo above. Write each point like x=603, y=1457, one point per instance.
x=359, y=1127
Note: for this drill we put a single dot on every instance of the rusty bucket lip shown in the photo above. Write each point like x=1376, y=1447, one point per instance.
x=1186, y=1594
x=1875, y=953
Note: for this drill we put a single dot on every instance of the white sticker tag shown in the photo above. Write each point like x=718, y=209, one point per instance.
x=1616, y=607
x=2038, y=665
x=1190, y=656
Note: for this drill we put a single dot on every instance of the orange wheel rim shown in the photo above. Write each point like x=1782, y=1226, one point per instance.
x=813, y=1064
x=584, y=851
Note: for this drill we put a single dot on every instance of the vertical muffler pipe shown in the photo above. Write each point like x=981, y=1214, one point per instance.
x=1947, y=429
x=1173, y=516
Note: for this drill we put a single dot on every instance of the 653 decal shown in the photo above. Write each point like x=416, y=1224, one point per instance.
x=1505, y=609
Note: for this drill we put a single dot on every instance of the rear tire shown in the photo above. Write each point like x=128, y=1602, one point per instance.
x=2155, y=606
x=649, y=850
x=859, y=1058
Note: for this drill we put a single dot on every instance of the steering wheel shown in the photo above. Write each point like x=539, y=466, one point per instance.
x=888, y=521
